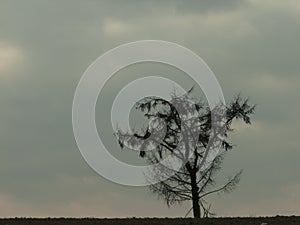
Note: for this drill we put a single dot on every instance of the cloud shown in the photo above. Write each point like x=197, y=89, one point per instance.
x=10, y=57
x=288, y=6
x=231, y=24
x=11, y=206
x=241, y=126
x=273, y=83
x=113, y=27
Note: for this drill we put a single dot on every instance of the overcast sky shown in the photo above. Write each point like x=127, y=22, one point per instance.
x=45, y=46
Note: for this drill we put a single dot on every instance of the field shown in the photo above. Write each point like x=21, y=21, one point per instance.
x=278, y=220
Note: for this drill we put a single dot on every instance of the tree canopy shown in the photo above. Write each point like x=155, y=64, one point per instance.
x=195, y=135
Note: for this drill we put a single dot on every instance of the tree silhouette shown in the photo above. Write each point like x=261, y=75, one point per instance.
x=188, y=131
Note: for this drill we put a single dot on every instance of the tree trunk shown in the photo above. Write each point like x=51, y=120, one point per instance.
x=195, y=195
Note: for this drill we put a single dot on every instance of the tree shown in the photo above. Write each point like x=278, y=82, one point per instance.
x=187, y=130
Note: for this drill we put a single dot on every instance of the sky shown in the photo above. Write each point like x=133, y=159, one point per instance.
x=252, y=47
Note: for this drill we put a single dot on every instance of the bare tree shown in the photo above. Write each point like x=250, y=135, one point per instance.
x=187, y=130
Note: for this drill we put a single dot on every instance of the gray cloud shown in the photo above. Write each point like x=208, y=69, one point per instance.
x=45, y=46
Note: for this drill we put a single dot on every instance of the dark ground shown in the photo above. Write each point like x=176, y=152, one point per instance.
x=278, y=220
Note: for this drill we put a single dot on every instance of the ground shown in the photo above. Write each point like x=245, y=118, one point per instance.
x=278, y=220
